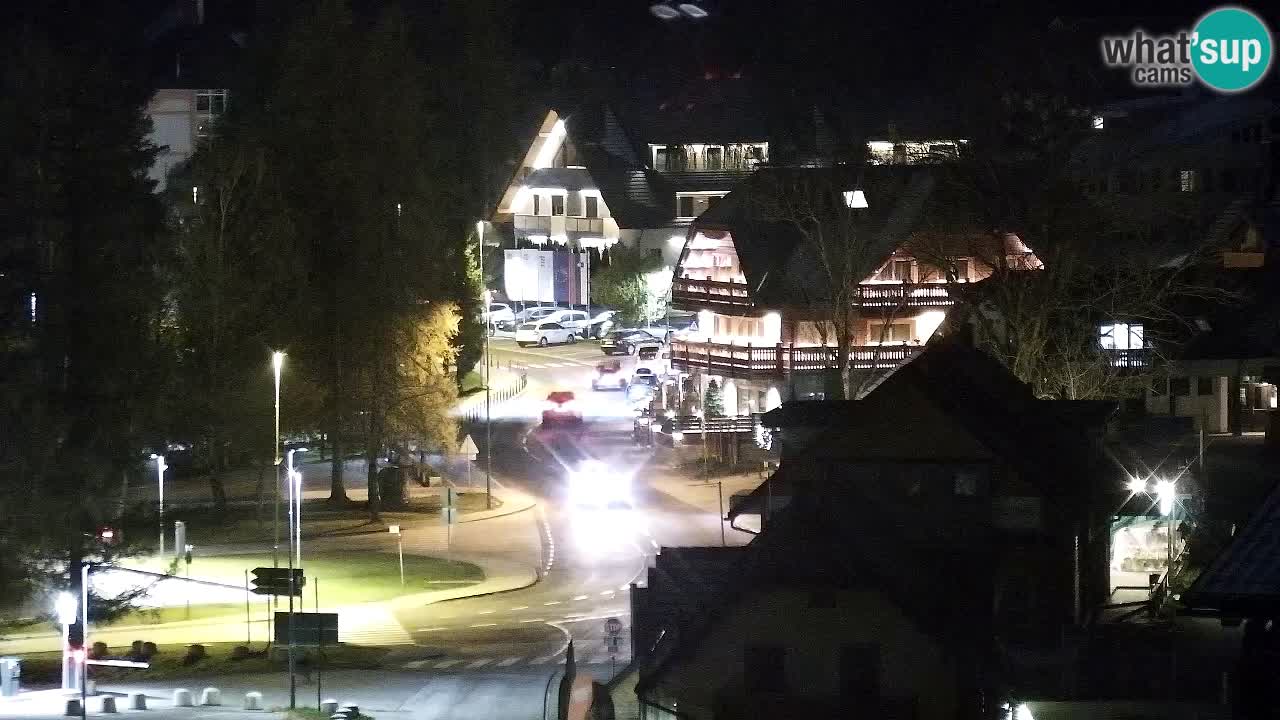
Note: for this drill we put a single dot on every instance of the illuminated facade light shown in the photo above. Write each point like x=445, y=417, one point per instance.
x=855, y=199
x=550, y=146
x=663, y=11
x=1099, y=122
x=693, y=11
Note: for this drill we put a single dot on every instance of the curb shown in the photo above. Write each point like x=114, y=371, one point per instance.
x=500, y=512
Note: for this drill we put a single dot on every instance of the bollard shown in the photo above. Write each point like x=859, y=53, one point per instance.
x=211, y=696
x=91, y=687
x=182, y=697
x=329, y=707
x=108, y=703
x=351, y=711
x=253, y=700
x=73, y=707
x=137, y=701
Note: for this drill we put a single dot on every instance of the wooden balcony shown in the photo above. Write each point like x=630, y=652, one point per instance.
x=746, y=361
x=690, y=294
x=907, y=295
x=1140, y=358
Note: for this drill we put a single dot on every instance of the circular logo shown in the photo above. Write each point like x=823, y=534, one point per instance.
x=1231, y=49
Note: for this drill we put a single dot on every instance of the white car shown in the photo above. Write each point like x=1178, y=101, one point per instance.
x=577, y=320
x=543, y=333
x=654, y=357
x=497, y=313
x=593, y=484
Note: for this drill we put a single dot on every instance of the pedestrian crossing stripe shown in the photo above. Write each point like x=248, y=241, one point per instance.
x=478, y=663
x=446, y=664
x=509, y=661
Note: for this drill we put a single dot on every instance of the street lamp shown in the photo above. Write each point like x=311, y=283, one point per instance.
x=488, y=420
x=1137, y=486
x=277, y=362
x=295, y=501
x=160, y=468
x=1167, y=492
x=64, y=606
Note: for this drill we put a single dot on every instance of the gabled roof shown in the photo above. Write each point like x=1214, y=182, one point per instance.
x=781, y=268
x=1245, y=578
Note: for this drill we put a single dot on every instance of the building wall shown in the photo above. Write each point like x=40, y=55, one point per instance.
x=912, y=663
x=1207, y=410
x=173, y=118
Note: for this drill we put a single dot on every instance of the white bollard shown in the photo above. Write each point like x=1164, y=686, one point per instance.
x=182, y=697
x=328, y=707
x=91, y=687
x=137, y=701
x=108, y=703
x=351, y=710
x=73, y=707
x=211, y=696
x=253, y=700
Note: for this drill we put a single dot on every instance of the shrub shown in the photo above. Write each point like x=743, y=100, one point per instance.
x=195, y=653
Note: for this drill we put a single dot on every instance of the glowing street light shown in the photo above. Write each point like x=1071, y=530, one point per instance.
x=295, y=502
x=1137, y=486
x=160, y=468
x=65, y=606
x=1167, y=493
x=277, y=363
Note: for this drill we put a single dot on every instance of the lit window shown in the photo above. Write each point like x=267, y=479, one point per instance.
x=1121, y=336
x=1099, y=122
x=1187, y=180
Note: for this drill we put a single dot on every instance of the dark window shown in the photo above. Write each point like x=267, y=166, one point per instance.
x=764, y=668
x=686, y=206
x=557, y=204
x=1229, y=180
x=962, y=269
x=655, y=252
x=1207, y=178
x=1204, y=386
x=591, y=208
x=1156, y=176
x=715, y=158
x=968, y=483
x=1235, y=136
x=1180, y=386
x=537, y=205
x=860, y=673
x=712, y=200
x=1159, y=386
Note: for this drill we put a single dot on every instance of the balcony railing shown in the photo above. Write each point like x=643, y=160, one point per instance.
x=697, y=294
x=773, y=360
x=558, y=224
x=903, y=295
x=1134, y=358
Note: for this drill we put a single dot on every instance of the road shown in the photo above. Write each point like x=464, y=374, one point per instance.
x=492, y=656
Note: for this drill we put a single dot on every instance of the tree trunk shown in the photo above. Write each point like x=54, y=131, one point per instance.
x=372, y=447
x=337, y=490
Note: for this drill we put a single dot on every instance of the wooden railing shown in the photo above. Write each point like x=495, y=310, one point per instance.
x=710, y=292
x=750, y=360
x=903, y=295
x=1136, y=358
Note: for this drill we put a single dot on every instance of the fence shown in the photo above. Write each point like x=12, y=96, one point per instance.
x=748, y=360
x=475, y=411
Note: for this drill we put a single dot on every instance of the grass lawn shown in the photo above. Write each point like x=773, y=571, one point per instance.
x=42, y=668
x=206, y=527
x=345, y=577
x=471, y=382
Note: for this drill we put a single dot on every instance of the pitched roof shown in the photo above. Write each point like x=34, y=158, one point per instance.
x=1245, y=577
x=779, y=266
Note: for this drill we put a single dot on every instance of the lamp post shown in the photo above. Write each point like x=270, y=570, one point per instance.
x=64, y=606
x=1166, y=491
x=488, y=420
x=295, y=500
x=395, y=530
x=160, y=468
x=277, y=362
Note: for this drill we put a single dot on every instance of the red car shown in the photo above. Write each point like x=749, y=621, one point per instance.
x=561, y=409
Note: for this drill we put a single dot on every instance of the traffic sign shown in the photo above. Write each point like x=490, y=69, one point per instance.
x=613, y=626
x=449, y=513
x=313, y=628
x=468, y=448
x=275, y=581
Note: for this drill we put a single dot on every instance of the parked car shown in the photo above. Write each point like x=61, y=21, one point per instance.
x=543, y=333
x=625, y=342
x=496, y=314
x=602, y=322
x=609, y=376
x=574, y=319
x=561, y=408
x=527, y=315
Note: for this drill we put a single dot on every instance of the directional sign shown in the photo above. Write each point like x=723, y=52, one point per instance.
x=275, y=581
x=468, y=448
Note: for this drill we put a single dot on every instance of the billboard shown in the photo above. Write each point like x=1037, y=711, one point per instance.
x=545, y=276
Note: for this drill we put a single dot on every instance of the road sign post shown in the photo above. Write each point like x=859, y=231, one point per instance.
x=469, y=449
x=276, y=581
x=613, y=628
x=448, y=515
x=395, y=530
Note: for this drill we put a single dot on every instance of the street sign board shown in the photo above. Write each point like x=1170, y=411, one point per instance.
x=613, y=626
x=468, y=448
x=313, y=629
x=275, y=581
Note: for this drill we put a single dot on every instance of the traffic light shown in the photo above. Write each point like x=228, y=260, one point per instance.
x=275, y=581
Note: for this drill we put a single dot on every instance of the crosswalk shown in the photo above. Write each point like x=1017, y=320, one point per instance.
x=484, y=663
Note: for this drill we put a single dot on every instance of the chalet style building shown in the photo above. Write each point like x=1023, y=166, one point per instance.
x=763, y=293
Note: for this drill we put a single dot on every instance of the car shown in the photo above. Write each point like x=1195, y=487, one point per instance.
x=561, y=408
x=602, y=322
x=654, y=356
x=625, y=342
x=543, y=333
x=591, y=483
x=609, y=376
x=642, y=389
x=497, y=316
x=576, y=320
x=642, y=374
